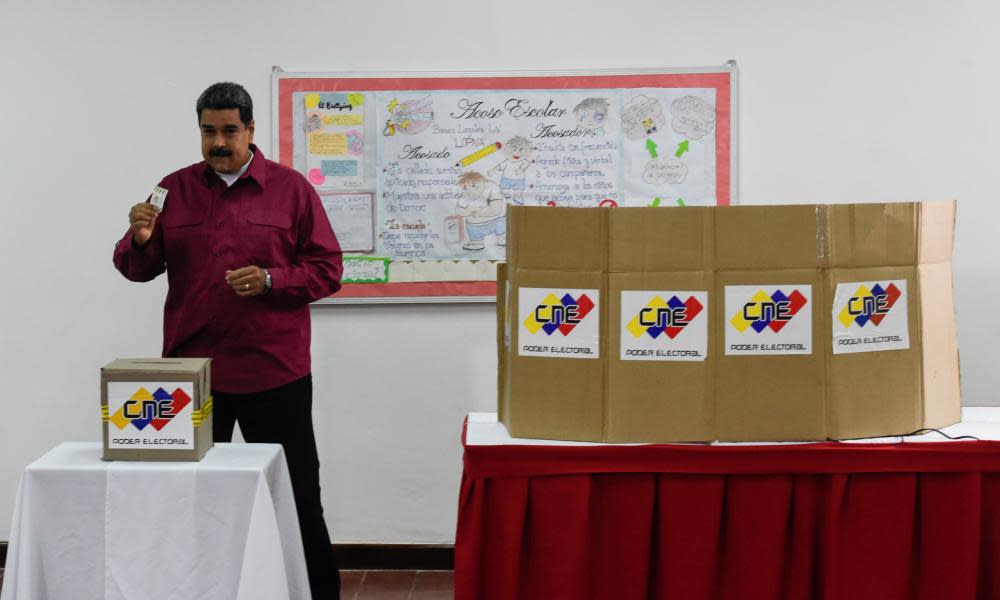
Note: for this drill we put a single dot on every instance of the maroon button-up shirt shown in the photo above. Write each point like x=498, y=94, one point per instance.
x=270, y=217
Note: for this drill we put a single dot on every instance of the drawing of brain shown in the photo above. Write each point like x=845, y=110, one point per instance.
x=642, y=117
x=665, y=170
x=693, y=117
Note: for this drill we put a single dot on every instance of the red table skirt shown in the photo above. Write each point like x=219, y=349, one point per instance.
x=818, y=522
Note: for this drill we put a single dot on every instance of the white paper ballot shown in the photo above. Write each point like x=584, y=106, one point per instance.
x=158, y=198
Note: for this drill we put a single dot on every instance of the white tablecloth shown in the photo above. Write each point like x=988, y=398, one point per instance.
x=983, y=422
x=223, y=528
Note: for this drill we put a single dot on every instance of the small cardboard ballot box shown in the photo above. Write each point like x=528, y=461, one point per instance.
x=156, y=409
x=734, y=323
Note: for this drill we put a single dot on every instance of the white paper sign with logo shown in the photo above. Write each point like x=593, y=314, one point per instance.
x=561, y=323
x=150, y=415
x=768, y=319
x=870, y=316
x=664, y=325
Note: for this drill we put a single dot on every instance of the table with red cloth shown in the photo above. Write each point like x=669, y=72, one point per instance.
x=907, y=518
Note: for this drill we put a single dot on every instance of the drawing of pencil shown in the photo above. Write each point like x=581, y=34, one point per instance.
x=468, y=160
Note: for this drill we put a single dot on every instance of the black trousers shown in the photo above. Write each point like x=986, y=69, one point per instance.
x=283, y=415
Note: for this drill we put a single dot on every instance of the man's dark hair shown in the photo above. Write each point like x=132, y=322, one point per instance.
x=226, y=95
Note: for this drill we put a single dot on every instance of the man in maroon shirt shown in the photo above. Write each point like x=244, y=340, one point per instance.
x=246, y=246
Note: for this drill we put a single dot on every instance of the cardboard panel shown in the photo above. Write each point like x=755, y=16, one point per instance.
x=567, y=239
x=942, y=387
x=770, y=397
x=875, y=392
x=872, y=235
x=660, y=239
x=552, y=397
x=766, y=237
x=659, y=399
x=937, y=231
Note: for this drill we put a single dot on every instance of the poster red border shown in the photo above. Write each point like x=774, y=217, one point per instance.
x=289, y=84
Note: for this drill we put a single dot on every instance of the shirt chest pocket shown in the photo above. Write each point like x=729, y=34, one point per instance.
x=269, y=237
x=182, y=222
x=269, y=218
x=182, y=235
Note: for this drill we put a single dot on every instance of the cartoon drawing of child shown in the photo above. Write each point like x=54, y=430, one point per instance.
x=592, y=113
x=313, y=123
x=483, y=208
x=512, y=170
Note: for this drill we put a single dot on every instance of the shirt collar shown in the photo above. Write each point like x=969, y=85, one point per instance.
x=256, y=171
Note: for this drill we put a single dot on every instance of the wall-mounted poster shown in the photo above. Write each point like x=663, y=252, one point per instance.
x=428, y=163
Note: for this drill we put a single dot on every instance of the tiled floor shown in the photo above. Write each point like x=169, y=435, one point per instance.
x=397, y=585
x=390, y=585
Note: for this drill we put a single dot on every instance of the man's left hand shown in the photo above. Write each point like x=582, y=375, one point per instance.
x=246, y=281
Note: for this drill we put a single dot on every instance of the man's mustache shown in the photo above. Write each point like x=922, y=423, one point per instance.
x=219, y=152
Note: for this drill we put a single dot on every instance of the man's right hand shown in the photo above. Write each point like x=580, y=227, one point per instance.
x=142, y=219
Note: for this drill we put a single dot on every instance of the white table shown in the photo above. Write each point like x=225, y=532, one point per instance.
x=223, y=528
x=981, y=422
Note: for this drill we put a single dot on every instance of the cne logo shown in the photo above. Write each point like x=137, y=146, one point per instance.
x=768, y=311
x=555, y=313
x=668, y=317
x=143, y=409
x=869, y=305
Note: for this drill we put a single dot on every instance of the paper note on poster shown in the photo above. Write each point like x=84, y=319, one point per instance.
x=352, y=219
x=366, y=269
x=333, y=125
